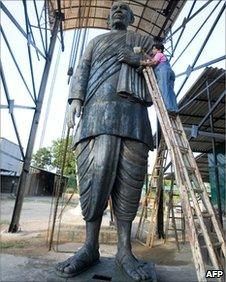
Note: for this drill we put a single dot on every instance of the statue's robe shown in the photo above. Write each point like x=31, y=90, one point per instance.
x=115, y=99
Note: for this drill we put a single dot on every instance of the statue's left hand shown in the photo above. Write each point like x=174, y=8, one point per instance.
x=130, y=58
x=74, y=109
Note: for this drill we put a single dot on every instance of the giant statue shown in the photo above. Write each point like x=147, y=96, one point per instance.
x=112, y=139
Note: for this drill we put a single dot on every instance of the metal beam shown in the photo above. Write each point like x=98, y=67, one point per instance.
x=11, y=113
x=212, y=109
x=182, y=31
x=207, y=134
x=202, y=47
x=215, y=157
x=190, y=69
x=14, y=225
x=196, y=33
x=16, y=64
x=201, y=92
x=29, y=48
x=189, y=19
x=6, y=11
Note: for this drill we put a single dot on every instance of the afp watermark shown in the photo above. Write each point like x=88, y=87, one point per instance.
x=214, y=273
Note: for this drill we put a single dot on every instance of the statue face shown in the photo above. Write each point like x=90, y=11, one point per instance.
x=120, y=15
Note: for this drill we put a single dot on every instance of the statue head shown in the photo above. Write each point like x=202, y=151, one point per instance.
x=120, y=16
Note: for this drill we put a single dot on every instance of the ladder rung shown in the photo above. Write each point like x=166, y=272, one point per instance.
x=177, y=206
x=178, y=229
x=158, y=166
x=172, y=116
x=183, y=149
x=216, y=245
x=161, y=158
x=196, y=190
x=190, y=169
x=179, y=131
x=205, y=215
x=176, y=217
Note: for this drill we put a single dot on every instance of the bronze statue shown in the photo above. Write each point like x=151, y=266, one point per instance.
x=112, y=139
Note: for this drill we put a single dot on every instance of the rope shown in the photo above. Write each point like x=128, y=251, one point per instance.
x=50, y=98
x=76, y=43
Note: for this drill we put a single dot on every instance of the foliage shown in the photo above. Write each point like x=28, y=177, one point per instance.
x=72, y=181
x=42, y=158
x=52, y=157
x=57, y=149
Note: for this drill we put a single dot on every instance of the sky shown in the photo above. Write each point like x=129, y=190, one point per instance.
x=59, y=89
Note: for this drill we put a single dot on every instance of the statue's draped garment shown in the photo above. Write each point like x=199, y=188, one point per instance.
x=114, y=135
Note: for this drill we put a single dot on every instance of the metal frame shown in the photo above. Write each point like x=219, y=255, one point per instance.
x=45, y=51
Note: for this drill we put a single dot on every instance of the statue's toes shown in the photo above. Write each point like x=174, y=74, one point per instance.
x=143, y=274
x=61, y=265
x=134, y=275
x=69, y=269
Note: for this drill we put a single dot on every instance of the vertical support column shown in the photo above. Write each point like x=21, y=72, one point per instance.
x=14, y=225
x=214, y=157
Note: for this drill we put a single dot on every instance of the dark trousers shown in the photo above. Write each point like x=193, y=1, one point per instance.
x=111, y=165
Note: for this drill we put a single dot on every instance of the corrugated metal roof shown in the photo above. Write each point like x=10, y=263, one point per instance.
x=203, y=165
x=193, y=109
x=152, y=17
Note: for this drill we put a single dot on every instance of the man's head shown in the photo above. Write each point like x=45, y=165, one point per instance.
x=157, y=48
x=121, y=16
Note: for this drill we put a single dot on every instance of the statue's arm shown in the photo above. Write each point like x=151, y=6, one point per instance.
x=80, y=78
x=133, y=59
x=129, y=57
x=78, y=86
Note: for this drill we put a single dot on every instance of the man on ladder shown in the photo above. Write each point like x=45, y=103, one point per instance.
x=190, y=184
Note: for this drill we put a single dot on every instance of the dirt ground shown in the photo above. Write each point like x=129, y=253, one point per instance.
x=31, y=241
x=34, y=224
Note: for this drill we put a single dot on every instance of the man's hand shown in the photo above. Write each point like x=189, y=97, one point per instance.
x=128, y=57
x=74, y=109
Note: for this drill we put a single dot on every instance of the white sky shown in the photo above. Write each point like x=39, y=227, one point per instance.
x=214, y=48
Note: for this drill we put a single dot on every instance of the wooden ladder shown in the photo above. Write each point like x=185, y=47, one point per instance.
x=189, y=182
x=170, y=216
x=154, y=184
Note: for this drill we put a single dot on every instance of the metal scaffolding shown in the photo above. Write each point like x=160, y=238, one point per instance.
x=44, y=48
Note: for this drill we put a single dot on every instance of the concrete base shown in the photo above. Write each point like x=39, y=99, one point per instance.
x=26, y=269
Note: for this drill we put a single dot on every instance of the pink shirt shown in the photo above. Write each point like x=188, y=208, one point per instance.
x=160, y=57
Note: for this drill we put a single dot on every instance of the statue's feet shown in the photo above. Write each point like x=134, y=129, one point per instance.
x=81, y=261
x=133, y=268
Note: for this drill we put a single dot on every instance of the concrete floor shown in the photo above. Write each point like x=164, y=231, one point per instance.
x=25, y=255
x=19, y=268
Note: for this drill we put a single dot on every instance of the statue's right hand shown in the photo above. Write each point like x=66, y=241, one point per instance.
x=74, y=109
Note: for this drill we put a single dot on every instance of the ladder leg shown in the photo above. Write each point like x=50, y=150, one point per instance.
x=184, y=163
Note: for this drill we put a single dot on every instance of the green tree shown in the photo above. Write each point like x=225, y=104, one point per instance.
x=42, y=158
x=57, y=150
x=52, y=157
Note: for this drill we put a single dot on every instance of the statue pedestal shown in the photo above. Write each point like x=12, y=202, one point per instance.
x=106, y=270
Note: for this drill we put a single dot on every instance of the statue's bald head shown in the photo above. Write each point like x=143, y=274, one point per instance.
x=121, y=15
